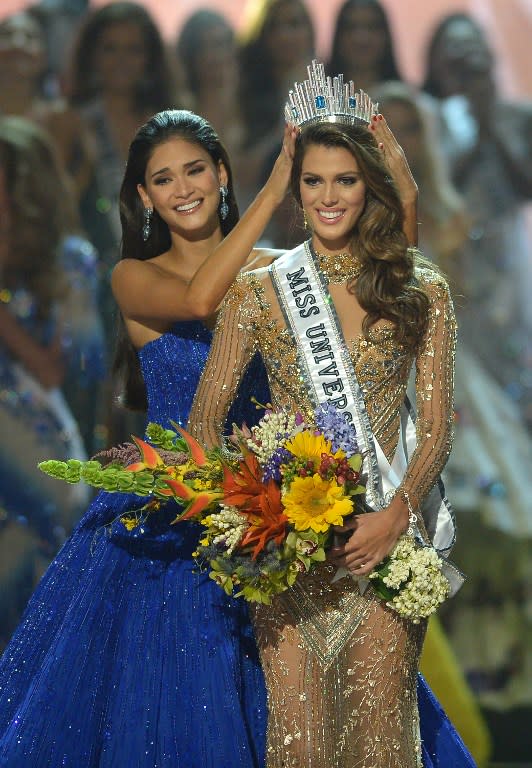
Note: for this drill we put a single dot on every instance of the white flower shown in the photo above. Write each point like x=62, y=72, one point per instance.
x=416, y=573
x=231, y=526
x=270, y=433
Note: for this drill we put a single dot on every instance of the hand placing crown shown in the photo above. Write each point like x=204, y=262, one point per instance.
x=322, y=99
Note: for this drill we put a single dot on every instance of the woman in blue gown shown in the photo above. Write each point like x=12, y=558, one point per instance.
x=125, y=655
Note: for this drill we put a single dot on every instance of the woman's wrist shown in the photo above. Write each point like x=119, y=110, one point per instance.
x=271, y=194
x=401, y=513
x=410, y=225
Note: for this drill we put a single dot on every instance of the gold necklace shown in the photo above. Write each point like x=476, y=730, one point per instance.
x=338, y=267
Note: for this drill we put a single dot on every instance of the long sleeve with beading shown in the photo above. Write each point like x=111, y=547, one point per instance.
x=434, y=394
x=231, y=352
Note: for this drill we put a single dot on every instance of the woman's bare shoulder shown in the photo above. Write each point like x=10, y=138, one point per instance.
x=126, y=269
x=155, y=267
x=129, y=274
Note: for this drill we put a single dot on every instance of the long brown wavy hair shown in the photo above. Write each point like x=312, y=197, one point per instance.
x=39, y=211
x=387, y=287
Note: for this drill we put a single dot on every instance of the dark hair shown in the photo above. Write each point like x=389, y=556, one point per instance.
x=260, y=93
x=40, y=209
x=386, y=288
x=155, y=89
x=388, y=66
x=432, y=84
x=189, y=45
x=166, y=125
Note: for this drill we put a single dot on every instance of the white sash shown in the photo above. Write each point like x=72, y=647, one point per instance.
x=330, y=377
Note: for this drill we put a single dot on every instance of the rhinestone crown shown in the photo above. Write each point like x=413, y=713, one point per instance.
x=323, y=99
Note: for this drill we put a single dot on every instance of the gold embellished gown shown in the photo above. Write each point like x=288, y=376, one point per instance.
x=340, y=666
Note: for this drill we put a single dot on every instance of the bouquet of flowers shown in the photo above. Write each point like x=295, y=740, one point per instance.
x=295, y=481
x=268, y=509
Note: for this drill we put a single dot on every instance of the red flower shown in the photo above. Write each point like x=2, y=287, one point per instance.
x=268, y=522
x=243, y=486
x=261, y=502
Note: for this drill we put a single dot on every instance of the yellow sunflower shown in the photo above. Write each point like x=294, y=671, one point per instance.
x=308, y=446
x=315, y=503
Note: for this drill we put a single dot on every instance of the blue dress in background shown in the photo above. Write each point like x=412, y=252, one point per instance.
x=37, y=513
x=126, y=657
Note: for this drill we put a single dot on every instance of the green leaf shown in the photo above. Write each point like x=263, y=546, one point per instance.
x=165, y=438
x=355, y=462
x=383, y=591
x=319, y=555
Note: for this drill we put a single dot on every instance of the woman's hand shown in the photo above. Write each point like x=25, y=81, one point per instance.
x=279, y=179
x=372, y=536
x=395, y=159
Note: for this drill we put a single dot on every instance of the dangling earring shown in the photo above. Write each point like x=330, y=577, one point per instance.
x=146, y=229
x=224, y=208
x=305, y=220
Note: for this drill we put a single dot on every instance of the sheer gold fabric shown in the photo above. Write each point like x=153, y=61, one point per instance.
x=340, y=667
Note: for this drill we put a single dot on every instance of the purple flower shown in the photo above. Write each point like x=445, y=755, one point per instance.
x=333, y=425
x=272, y=468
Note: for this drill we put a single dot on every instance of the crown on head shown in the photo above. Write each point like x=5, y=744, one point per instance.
x=323, y=99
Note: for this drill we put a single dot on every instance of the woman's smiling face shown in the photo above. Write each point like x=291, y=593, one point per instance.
x=333, y=195
x=183, y=183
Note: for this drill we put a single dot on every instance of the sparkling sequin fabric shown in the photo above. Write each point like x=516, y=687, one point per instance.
x=340, y=667
x=126, y=657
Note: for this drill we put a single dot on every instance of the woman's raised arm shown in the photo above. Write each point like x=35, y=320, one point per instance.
x=144, y=291
x=401, y=174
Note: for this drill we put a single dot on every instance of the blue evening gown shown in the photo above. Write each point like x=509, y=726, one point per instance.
x=441, y=745
x=125, y=656
x=128, y=658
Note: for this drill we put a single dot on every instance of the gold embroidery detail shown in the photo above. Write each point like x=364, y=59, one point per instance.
x=339, y=267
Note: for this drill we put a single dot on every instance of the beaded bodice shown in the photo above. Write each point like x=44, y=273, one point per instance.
x=252, y=319
x=171, y=368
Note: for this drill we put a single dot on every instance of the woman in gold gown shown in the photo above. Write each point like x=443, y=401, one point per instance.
x=340, y=666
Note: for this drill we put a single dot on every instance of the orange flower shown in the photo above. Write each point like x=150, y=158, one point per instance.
x=195, y=502
x=260, y=502
x=196, y=451
x=150, y=457
x=241, y=488
x=268, y=522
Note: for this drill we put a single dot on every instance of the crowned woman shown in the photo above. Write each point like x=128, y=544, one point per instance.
x=343, y=318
